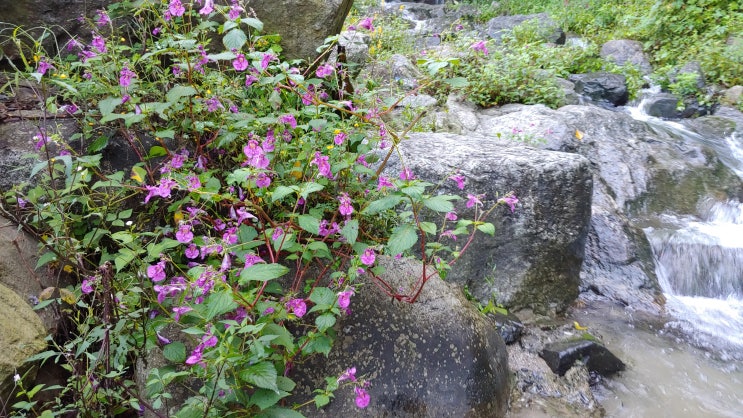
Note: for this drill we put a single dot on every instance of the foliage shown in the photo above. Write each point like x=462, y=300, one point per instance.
x=254, y=210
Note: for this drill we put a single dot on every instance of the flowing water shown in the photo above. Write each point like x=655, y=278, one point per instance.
x=692, y=365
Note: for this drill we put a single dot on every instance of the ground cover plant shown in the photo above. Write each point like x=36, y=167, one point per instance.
x=255, y=203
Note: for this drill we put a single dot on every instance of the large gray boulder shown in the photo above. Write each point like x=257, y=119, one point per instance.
x=547, y=29
x=640, y=169
x=302, y=24
x=438, y=357
x=607, y=89
x=626, y=52
x=534, y=260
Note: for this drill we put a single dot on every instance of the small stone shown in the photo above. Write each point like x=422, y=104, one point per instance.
x=560, y=357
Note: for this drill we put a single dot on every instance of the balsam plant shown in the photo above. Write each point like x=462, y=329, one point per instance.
x=254, y=210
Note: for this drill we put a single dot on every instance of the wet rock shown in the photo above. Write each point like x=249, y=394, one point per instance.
x=535, y=257
x=22, y=336
x=560, y=357
x=624, y=51
x=509, y=326
x=602, y=88
x=663, y=105
x=436, y=357
x=547, y=29
x=732, y=96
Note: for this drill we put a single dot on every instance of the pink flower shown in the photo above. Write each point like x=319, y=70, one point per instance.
x=340, y=137
x=324, y=70
x=234, y=12
x=88, y=284
x=368, y=256
x=176, y=8
x=473, y=200
x=102, y=18
x=480, y=46
x=383, y=182
x=344, y=298
x=349, y=374
x=195, y=356
x=251, y=259
x=191, y=252
x=250, y=79
x=367, y=23
x=345, y=207
x=510, y=200
x=99, y=44
x=44, y=66
x=180, y=310
x=288, y=119
x=125, y=76
x=240, y=63
x=184, y=234
x=323, y=166
x=450, y=216
x=459, y=179
x=277, y=234
x=406, y=174
x=213, y=104
x=267, y=58
x=208, y=7
x=156, y=272
x=362, y=398
x=262, y=180
x=297, y=306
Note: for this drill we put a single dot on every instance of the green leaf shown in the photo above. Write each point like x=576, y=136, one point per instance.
x=351, y=231
x=98, y=144
x=179, y=91
x=309, y=223
x=283, y=337
x=166, y=133
x=487, y=228
x=280, y=192
x=403, y=237
x=325, y=321
x=323, y=296
x=46, y=258
x=253, y=22
x=428, y=227
x=262, y=375
x=219, y=303
x=234, y=39
x=157, y=151
x=175, y=352
x=387, y=202
x=276, y=412
x=321, y=400
x=262, y=272
x=265, y=398
x=306, y=188
x=108, y=105
x=439, y=203
x=457, y=82
x=415, y=190
x=319, y=248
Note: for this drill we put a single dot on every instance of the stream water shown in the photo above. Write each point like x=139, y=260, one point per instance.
x=692, y=365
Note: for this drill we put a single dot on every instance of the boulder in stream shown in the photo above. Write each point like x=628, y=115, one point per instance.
x=560, y=357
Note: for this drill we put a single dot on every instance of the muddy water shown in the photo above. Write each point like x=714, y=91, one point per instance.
x=666, y=376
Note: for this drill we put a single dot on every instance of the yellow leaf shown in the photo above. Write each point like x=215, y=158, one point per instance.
x=578, y=326
x=138, y=174
x=67, y=268
x=67, y=296
x=46, y=293
x=178, y=217
x=578, y=134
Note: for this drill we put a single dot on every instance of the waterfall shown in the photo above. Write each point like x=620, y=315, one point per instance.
x=699, y=259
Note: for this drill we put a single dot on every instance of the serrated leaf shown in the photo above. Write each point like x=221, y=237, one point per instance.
x=281, y=192
x=414, y=190
x=321, y=400
x=46, y=258
x=98, y=144
x=219, y=303
x=253, y=22
x=179, y=91
x=323, y=296
x=457, y=82
x=387, y=202
x=283, y=338
x=325, y=321
x=276, y=412
x=439, y=203
x=108, y=105
x=262, y=272
x=265, y=398
x=487, y=228
x=175, y=352
x=306, y=188
x=309, y=223
x=403, y=237
x=234, y=39
x=350, y=231
x=262, y=375
x=428, y=227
